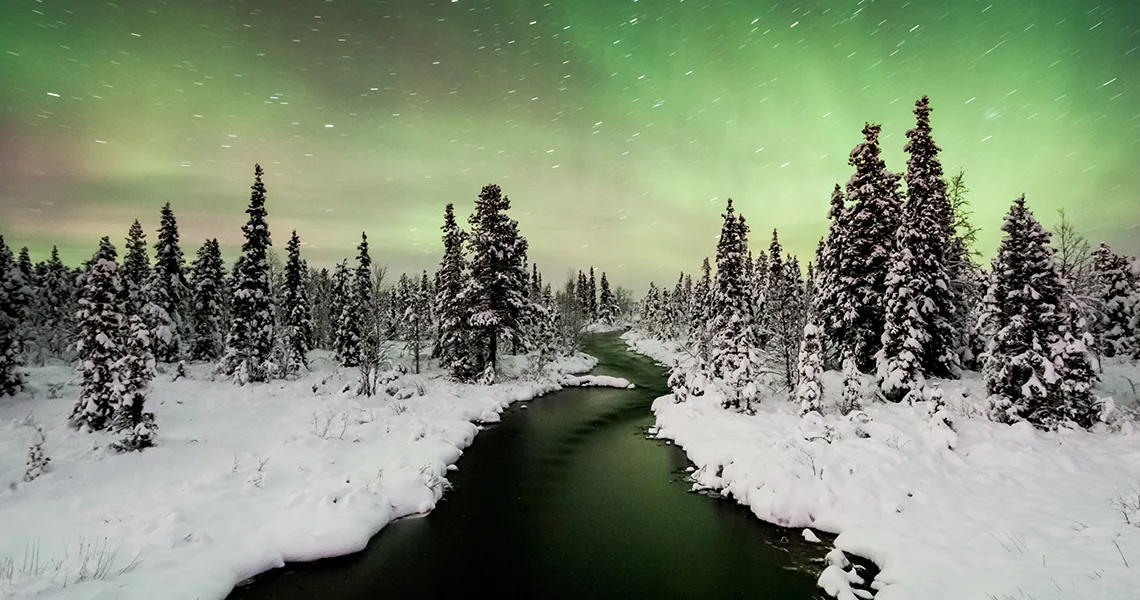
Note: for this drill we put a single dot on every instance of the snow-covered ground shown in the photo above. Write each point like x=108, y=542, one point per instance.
x=244, y=478
x=1008, y=513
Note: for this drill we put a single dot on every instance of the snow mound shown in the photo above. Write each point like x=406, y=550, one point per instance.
x=948, y=504
x=243, y=480
x=596, y=381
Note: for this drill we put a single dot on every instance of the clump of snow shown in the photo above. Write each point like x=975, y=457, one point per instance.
x=810, y=536
x=596, y=381
x=947, y=503
x=243, y=479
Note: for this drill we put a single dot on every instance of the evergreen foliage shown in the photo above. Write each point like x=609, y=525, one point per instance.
x=99, y=345
x=1116, y=285
x=809, y=391
x=172, y=291
x=296, y=314
x=495, y=292
x=869, y=224
x=783, y=313
x=135, y=370
x=249, y=344
x=207, y=309
x=1024, y=319
x=450, y=303
x=15, y=296
x=734, y=353
x=607, y=303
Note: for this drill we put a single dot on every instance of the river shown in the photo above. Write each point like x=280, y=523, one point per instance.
x=567, y=498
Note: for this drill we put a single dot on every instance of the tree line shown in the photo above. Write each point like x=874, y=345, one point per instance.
x=118, y=320
x=896, y=291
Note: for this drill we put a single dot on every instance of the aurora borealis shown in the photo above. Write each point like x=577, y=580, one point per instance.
x=617, y=127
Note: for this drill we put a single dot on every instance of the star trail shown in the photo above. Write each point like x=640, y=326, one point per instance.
x=617, y=127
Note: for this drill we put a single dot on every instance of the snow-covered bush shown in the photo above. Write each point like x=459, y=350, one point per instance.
x=37, y=460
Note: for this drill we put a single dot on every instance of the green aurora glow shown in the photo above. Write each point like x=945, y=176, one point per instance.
x=617, y=127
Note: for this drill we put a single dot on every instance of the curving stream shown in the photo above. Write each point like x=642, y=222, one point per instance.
x=566, y=498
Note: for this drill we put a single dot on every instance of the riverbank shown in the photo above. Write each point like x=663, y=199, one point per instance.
x=985, y=511
x=244, y=478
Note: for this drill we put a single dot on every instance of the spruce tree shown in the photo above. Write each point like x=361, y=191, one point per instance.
x=15, y=295
x=927, y=233
x=1078, y=371
x=901, y=372
x=607, y=304
x=55, y=299
x=340, y=292
x=702, y=311
x=1024, y=319
x=173, y=292
x=206, y=306
x=1115, y=287
x=783, y=313
x=417, y=318
x=852, y=386
x=296, y=314
x=496, y=290
x=809, y=391
x=734, y=352
x=135, y=370
x=831, y=283
x=358, y=299
x=136, y=265
x=967, y=281
x=592, y=297
x=870, y=223
x=320, y=297
x=249, y=345
x=99, y=346
x=454, y=331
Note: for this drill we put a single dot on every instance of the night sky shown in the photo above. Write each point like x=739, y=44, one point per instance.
x=617, y=127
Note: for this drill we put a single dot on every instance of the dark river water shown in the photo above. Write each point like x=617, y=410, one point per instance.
x=568, y=499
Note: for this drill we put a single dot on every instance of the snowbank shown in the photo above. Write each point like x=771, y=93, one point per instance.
x=1009, y=512
x=596, y=381
x=244, y=479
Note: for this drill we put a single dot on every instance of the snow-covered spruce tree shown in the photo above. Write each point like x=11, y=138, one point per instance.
x=1078, y=371
x=809, y=392
x=27, y=269
x=350, y=329
x=583, y=301
x=930, y=218
x=852, y=386
x=249, y=345
x=870, y=223
x=15, y=295
x=135, y=369
x=735, y=356
x=454, y=330
x=55, y=301
x=99, y=347
x=1025, y=320
x=702, y=311
x=592, y=296
x=295, y=312
x=417, y=320
x=38, y=462
x=783, y=319
x=340, y=292
x=173, y=292
x=646, y=322
x=496, y=290
x=136, y=265
x=900, y=373
x=206, y=305
x=827, y=299
x=1115, y=287
x=607, y=304
x=320, y=298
